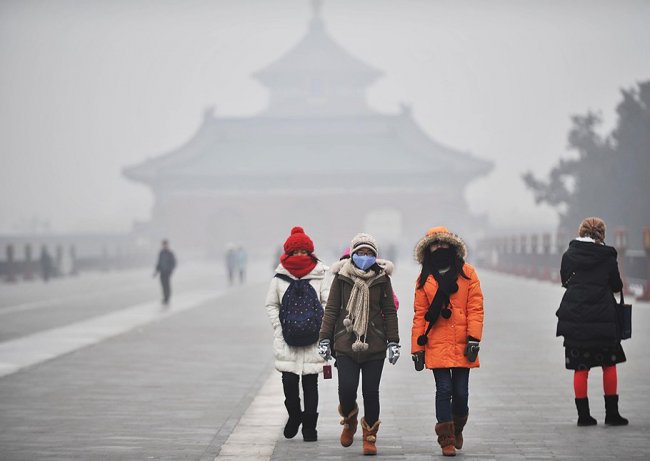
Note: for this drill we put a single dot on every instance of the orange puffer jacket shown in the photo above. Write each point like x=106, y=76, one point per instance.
x=448, y=337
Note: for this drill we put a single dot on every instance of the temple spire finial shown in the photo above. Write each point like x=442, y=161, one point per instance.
x=316, y=19
x=316, y=7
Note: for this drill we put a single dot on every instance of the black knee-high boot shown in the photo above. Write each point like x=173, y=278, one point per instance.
x=295, y=417
x=584, y=417
x=290, y=383
x=612, y=416
x=309, y=432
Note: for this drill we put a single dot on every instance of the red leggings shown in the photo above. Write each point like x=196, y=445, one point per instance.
x=609, y=381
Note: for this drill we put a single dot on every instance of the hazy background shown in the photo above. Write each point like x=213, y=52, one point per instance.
x=87, y=88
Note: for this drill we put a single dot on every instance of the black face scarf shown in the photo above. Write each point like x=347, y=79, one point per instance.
x=441, y=258
x=447, y=285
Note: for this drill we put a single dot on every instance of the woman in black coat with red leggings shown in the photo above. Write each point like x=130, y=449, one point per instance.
x=587, y=317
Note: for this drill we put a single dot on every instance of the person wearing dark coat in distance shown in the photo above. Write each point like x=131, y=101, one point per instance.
x=587, y=317
x=46, y=264
x=165, y=266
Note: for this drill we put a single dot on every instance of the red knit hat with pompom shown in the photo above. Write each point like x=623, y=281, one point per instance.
x=298, y=240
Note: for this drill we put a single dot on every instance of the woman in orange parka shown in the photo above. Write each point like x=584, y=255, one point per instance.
x=447, y=328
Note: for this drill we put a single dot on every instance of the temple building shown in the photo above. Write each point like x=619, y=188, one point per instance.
x=318, y=156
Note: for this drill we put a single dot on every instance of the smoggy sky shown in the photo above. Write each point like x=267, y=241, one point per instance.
x=89, y=87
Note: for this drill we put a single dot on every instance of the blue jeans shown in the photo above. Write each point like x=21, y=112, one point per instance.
x=452, y=392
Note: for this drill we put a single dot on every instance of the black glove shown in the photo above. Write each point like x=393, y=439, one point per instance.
x=471, y=349
x=418, y=360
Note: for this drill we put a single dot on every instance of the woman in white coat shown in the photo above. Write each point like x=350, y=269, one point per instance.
x=294, y=303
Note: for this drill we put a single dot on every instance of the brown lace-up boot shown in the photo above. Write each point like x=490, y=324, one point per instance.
x=369, y=437
x=446, y=438
x=349, y=424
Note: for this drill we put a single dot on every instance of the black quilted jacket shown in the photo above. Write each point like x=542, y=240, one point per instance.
x=587, y=313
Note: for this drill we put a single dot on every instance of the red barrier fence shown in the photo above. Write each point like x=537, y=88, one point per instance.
x=538, y=256
x=62, y=260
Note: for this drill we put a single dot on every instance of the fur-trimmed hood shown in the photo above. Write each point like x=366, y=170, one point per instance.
x=439, y=234
x=385, y=264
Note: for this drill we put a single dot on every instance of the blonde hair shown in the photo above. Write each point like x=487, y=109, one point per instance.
x=593, y=227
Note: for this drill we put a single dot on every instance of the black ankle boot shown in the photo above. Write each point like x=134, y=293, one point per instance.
x=612, y=416
x=309, y=432
x=584, y=417
x=295, y=418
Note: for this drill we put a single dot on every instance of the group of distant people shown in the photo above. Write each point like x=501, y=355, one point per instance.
x=236, y=261
x=57, y=266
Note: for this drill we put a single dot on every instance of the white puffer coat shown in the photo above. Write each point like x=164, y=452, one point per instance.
x=298, y=360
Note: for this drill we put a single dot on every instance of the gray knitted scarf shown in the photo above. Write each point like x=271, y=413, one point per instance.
x=358, y=307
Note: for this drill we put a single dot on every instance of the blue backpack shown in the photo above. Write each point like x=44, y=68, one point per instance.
x=301, y=312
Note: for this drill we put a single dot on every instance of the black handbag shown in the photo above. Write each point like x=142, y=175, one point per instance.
x=624, y=315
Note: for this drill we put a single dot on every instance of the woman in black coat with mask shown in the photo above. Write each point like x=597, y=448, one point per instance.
x=587, y=317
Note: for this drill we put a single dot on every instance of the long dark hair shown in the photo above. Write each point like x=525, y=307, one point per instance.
x=427, y=268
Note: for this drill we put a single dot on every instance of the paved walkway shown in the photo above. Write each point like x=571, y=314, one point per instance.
x=199, y=385
x=33, y=349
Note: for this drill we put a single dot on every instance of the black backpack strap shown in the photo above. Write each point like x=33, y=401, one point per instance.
x=284, y=277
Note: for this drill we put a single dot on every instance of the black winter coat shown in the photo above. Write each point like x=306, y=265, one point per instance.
x=587, y=313
x=166, y=262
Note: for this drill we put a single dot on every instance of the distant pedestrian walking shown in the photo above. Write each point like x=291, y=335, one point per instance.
x=164, y=267
x=242, y=262
x=359, y=326
x=231, y=262
x=447, y=328
x=46, y=263
x=587, y=317
x=294, y=304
